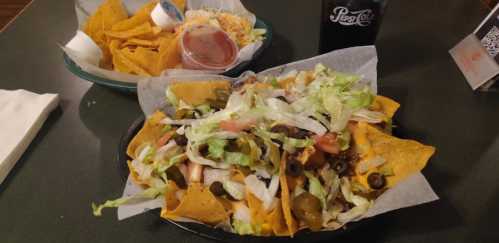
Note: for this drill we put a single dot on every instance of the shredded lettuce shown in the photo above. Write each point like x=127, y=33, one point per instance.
x=200, y=133
x=192, y=152
x=216, y=147
x=166, y=151
x=205, y=109
x=289, y=144
x=241, y=212
x=166, y=128
x=260, y=190
x=343, y=139
x=277, y=104
x=320, y=69
x=272, y=154
x=144, y=171
x=237, y=158
x=212, y=175
x=361, y=204
x=336, y=93
x=171, y=162
x=358, y=99
x=144, y=151
x=298, y=190
x=235, y=189
x=274, y=83
x=369, y=116
x=257, y=34
x=331, y=182
x=182, y=105
x=262, y=172
x=182, y=122
x=254, y=152
x=290, y=74
x=171, y=97
x=316, y=188
x=295, y=120
x=147, y=194
x=243, y=228
x=367, y=164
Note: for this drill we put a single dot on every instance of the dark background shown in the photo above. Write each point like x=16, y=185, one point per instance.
x=72, y=161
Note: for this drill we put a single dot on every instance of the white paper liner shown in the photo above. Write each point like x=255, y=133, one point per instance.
x=126, y=211
x=85, y=8
x=413, y=191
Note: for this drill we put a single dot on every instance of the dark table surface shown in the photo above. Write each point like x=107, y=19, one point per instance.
x=72, y=161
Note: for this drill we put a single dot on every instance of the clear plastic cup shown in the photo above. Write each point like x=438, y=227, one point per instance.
x=206, y=47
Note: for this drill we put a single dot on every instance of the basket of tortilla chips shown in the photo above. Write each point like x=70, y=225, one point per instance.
x=271, y=155
x=123, y=41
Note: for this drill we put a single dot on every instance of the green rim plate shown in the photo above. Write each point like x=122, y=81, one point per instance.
x=132, y=87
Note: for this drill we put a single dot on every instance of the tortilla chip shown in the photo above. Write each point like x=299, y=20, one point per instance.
x=258, y=214
x=114, y=45
x=227, y=204
x=141, y=42
x=141, y=16
x=285, y=198
x=276, y=219
x=198, y=92
x=145, y=30
x=262, y=86
x=385, y=105
x=108, y=14
x=288, y=83
x=150, y=133
x=144, y=58
x=199, y=204
x=122, y=57
x=107, y=58
x=120, y=66
x=171, y=201
x=404, y=157
x=169, y=54
x=166, y=34
x=305, y=155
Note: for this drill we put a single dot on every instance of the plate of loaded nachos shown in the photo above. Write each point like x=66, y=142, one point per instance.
x=271, y=156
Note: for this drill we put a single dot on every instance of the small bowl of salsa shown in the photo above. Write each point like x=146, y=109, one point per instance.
x=206, y=47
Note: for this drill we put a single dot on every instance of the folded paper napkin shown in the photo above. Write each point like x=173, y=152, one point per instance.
x=22, y=114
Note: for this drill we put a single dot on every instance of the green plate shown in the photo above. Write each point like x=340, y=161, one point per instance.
x=132, y=87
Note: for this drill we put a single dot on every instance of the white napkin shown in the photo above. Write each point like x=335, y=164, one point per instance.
x=22, y=114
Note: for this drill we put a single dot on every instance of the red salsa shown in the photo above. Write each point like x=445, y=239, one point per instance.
x=208, y=48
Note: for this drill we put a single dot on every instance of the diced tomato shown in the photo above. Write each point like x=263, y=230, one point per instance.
x=165, y=138
x=237, y=125
x=327, y=143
